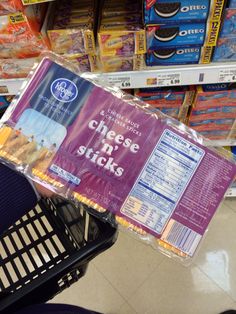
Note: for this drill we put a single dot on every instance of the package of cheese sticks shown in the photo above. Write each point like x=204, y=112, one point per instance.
x=97, y=145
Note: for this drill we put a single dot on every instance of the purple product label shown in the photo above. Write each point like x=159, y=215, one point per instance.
x=120, y=156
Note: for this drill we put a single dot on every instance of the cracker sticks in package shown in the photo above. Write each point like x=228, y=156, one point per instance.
x=80, y=138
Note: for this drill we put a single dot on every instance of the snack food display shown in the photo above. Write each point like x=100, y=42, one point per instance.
x=214, y=111
x=225, y=49
x=182, y=11
x=179, y=55
x=79, y=138
x=121, y=33
x=173, y=101
x=72, y=27
x=182, y=35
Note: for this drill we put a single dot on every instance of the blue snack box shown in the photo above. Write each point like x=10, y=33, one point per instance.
x=175, y=35
x=168, y=11
x=228, y=29
x=225, y=50
x=218, y=87
x=172, y=56
x=232, y=4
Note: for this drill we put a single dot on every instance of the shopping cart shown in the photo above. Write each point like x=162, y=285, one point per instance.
x=47, y=250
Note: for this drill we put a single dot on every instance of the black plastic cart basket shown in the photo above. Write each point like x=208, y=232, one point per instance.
x=47, y=250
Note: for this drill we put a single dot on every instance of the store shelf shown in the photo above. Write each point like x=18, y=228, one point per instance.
x=156, y=76
x=220, y=143
x=173, y=76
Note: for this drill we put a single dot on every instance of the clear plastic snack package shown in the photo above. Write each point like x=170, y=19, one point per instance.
x=95, y=144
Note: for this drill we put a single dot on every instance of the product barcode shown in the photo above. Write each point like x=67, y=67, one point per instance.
x=182, y=237
x=201, y=77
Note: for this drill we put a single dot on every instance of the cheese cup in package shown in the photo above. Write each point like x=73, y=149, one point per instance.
x=97, y=145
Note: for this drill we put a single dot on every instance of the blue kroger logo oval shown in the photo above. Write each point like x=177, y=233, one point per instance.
x=64, y=90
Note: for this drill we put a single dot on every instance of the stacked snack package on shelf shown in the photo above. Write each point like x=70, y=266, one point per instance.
x=182, y=32
x=173, y=101
x=71, y=32
x=226, y=45
x=99, y=146
x=121, y=36
x=20, y=38
x=214, y=111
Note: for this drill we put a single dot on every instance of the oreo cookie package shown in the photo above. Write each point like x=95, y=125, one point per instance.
x=179, y=35
x=166, y=35
x=162, y=11
x=181, y=55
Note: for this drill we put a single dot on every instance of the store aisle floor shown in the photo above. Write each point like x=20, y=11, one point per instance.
x=133, y=278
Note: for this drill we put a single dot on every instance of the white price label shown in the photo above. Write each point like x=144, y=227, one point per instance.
x=120, y=81
x=227, y=76
x=231, y=192
x=169, y=79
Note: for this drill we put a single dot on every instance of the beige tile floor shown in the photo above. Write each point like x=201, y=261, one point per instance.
x=132, y=278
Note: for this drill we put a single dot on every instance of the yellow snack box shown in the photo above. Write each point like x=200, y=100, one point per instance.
x=118, y=40
x=122, y=63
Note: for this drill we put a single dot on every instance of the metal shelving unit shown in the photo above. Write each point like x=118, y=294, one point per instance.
x=154, y=77
x=173, y=76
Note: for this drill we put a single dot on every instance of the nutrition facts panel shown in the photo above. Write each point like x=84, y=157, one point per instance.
x=162, y=181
